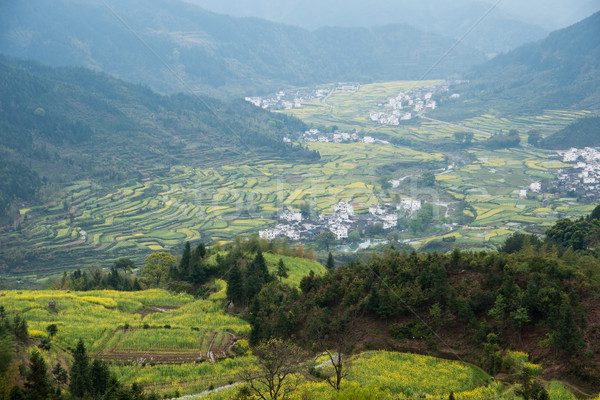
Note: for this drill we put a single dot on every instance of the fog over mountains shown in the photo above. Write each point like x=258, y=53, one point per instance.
x=489, y=26
x=174, y=46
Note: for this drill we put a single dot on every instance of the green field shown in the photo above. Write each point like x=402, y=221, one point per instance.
x=216, y=203
x=191, y=354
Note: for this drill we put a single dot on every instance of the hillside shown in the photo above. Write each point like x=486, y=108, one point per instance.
x=584, y=132
x=61, y=125
x=218, y=54
x=500, y=32
x=561, y=71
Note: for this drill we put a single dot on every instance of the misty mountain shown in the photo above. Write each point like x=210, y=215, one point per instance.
x=174, y=46
x=490, y=29
x=561, y=71
x=60, y=125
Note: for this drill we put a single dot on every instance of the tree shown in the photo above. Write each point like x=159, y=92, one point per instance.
x=339, y=340
x=459, y=136
x=257, y=274
x=124, y=264
x=157, y=267
x=468, y=138
x=282, y=270
x=330, y=262
x=184, y=264
x=99, y=378
x=520, y=317
x=354, y=237
x=325, y=239
x=235, y=284
x=428, y=179
x=277, y=360
x=530, y=389
x=534, y=137
x=52, y=329
x=59, y=374
x=80, y=379
x=37, y=384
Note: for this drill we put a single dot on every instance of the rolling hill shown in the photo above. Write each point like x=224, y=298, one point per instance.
x=174, y=46
x=500, y=32
x=60, y=125
x=561, y=71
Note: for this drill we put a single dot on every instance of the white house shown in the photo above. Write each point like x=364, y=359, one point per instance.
x=522, y=194
x=291, y=216
x=535, y=187
x=344, y=207
x=340, y=231
x=390, y=221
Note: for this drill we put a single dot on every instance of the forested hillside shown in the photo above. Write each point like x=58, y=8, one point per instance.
x=538, y=297
x=584, y=132
x=560, y=71
x=59, y=125
x=215, y=53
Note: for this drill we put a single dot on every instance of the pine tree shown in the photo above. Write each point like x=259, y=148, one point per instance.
x=330, y=262
x=282, y=270
x=99, y=377
x=80, y=381
x=184, y=264
x=256, y=276
x=200, y=251
x=37, y=384
x=235, y=285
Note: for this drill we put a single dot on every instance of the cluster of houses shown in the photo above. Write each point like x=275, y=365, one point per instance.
x=405, y=106
x=342, y=221
x=583, y=176
x=314, y=135
x=289, y=100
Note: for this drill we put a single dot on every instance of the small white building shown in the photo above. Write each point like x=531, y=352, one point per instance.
x=268, y=234
x=340, y=231
x=376, y=209
x=343, y=207
x=535, y=187
x=410, y=204
x=390, y=221
x=522, y=194
x=290, y=216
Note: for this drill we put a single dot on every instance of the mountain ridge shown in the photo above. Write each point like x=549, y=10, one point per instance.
x=217, y=54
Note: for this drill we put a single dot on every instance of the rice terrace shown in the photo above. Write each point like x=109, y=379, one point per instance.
x=216, y=203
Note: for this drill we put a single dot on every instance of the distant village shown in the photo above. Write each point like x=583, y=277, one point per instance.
x=406, y=106
x=583, y=177
x=314, y=135
x=340, y=222
x=402, y=107
x=293, y=99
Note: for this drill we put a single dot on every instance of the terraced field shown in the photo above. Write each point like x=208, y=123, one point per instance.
x=209, y=204
x=215, y=202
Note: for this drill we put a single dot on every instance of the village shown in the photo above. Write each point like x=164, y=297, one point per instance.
x=406, y=106
x=314, y=135
x=582, y=179
x=340, y=222
x=293, y=99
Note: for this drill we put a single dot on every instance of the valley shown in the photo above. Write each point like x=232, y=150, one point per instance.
x=479, y=197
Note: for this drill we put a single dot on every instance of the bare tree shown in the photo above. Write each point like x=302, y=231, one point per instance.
x=277, y=360
x=339, y=339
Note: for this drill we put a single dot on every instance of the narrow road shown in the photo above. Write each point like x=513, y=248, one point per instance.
x=456, y=125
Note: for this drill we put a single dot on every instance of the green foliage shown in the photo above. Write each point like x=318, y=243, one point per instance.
x=581, y=133
x=330, y=262
x=503, y=141
x=157, y=267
